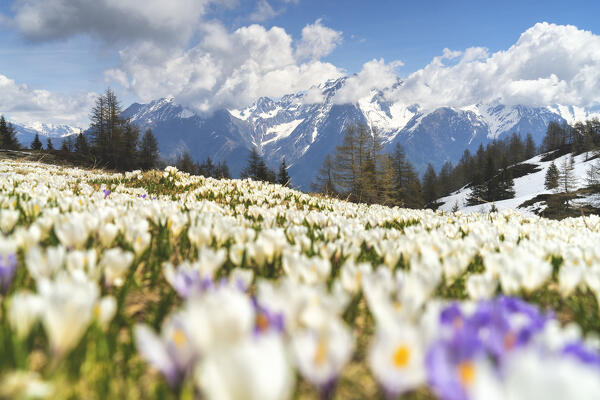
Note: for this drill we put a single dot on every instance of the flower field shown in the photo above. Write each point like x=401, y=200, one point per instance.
x=161, y=285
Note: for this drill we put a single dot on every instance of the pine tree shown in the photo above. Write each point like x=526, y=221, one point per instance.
x=566, y=177
x=186, y=163
x=8, y=135
x=148, y=153
x=593, y=176
x=222, y=171
x=386, y=182
x=345, y=165
x=36, y=144
x=49, y=145
x=516, y=149
x=445, y=179
x=207, y=169
x=551, y=180
x=283, y=177
x=107, y=129
x=324, y=182
x=530, y=147
x=407, y=187
x=81, y=145
x=128, y=154
x=64, y=147
x=431, y=191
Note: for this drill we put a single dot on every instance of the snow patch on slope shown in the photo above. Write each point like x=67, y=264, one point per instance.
x=282, y=130
x=393, y=119
x=526, y=187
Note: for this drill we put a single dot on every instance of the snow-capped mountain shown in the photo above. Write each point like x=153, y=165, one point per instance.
x=26, y=132
x=304, y=132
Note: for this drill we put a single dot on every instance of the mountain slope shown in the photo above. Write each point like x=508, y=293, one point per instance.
x=304, y=131
x=527, y=187
x=26, y=132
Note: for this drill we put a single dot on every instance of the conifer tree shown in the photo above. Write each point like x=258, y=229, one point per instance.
x=431, y=191
x=551, y=179
x=49, y=145
x=324, y=182
x=257, y=169
x=593, y=176
x=386, y=182
x=148, y=153
x=186, y=163
x=530, y=147
x=407, y=187
x=81, y=145
x=8, y=135
x=36, y=144
x=128, y=154
x=64, y=147
x=445, y=178
x=222, y=171
x=207, y=168
x=283, y=178
x=566, y=177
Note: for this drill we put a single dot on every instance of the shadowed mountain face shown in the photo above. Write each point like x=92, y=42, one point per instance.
x=305, y=133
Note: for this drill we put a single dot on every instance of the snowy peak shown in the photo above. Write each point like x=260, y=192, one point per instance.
x=573, y=114
x=158, y=110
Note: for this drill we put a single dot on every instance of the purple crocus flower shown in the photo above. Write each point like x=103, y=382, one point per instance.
x=8, y=267
x=492, y=331
x=170, y=353
x=267, y=319
x=187, y=282
x=142, y=196
x=583, y=354
x=106, y=193
x=449, y=364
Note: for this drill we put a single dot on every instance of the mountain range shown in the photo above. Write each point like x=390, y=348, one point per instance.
x=304, y=132
x=55, y=132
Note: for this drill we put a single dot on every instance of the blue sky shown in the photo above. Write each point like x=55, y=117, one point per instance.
x=76, y=61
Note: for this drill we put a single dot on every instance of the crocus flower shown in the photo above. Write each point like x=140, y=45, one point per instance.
x=8, y=267
x=266, y=319
x=106, y=193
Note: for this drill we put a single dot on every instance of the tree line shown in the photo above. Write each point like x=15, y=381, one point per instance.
x=561, y=139
x=360, y=172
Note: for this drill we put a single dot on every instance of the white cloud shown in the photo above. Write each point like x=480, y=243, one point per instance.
x=548, y=64
x=375, y=75
x=111, y=20
x=313, y=95
x=317, y=41
x=21, y=104
x=263, y=12
x=226, y=69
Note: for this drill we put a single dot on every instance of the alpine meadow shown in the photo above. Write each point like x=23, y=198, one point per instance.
x=297, y=199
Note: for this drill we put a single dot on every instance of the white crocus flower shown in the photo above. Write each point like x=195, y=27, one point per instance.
x=69, y=302
x=321, y=353
x=481, y=286
x=351, y=276
x=107, y=234
x=253, y=369
x=44, y=263
x=115, y=263
x=397, y=359
x=24, y=311
x=8, y=219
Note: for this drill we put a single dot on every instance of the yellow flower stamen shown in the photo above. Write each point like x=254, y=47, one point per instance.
x=320, y=353
x=401, y=356
x=262, y=322
x=466, y=373
x=179, y=337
